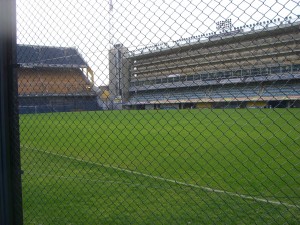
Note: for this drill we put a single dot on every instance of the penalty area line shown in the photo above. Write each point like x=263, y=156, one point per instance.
x=208, y=189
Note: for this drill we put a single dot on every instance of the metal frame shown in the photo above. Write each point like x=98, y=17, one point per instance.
x=10, y=176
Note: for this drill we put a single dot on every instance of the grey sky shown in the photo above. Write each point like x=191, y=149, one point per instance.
x=85, y=24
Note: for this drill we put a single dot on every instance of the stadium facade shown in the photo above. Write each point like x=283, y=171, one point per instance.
x=53, y=79
x=254, y=68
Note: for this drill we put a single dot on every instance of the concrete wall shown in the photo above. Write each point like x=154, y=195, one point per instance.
x=118, y=76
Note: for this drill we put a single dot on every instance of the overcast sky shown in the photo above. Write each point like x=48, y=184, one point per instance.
x=87, y=24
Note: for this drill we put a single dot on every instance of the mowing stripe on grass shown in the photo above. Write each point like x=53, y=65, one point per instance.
x=170, y=180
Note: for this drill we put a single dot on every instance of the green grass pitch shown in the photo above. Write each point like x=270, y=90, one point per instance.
x=233, y=166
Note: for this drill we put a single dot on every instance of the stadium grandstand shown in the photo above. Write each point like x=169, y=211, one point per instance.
x=54, y=79
x=254, y=66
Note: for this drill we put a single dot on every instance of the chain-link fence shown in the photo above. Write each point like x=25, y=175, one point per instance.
x=159, y=112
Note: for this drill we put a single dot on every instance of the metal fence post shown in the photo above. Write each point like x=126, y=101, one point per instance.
x=10, y=176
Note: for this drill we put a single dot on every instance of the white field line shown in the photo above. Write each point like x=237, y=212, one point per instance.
x=173, y=181
x=94, y=180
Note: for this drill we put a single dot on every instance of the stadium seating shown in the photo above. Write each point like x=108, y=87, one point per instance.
x=52, y=81
x=218, y=92
x=236, y=54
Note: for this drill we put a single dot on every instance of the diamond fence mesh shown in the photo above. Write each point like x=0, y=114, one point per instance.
x=159, y=112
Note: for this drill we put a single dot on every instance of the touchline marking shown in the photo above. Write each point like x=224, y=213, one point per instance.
x=171, y=180
x=94, y=180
